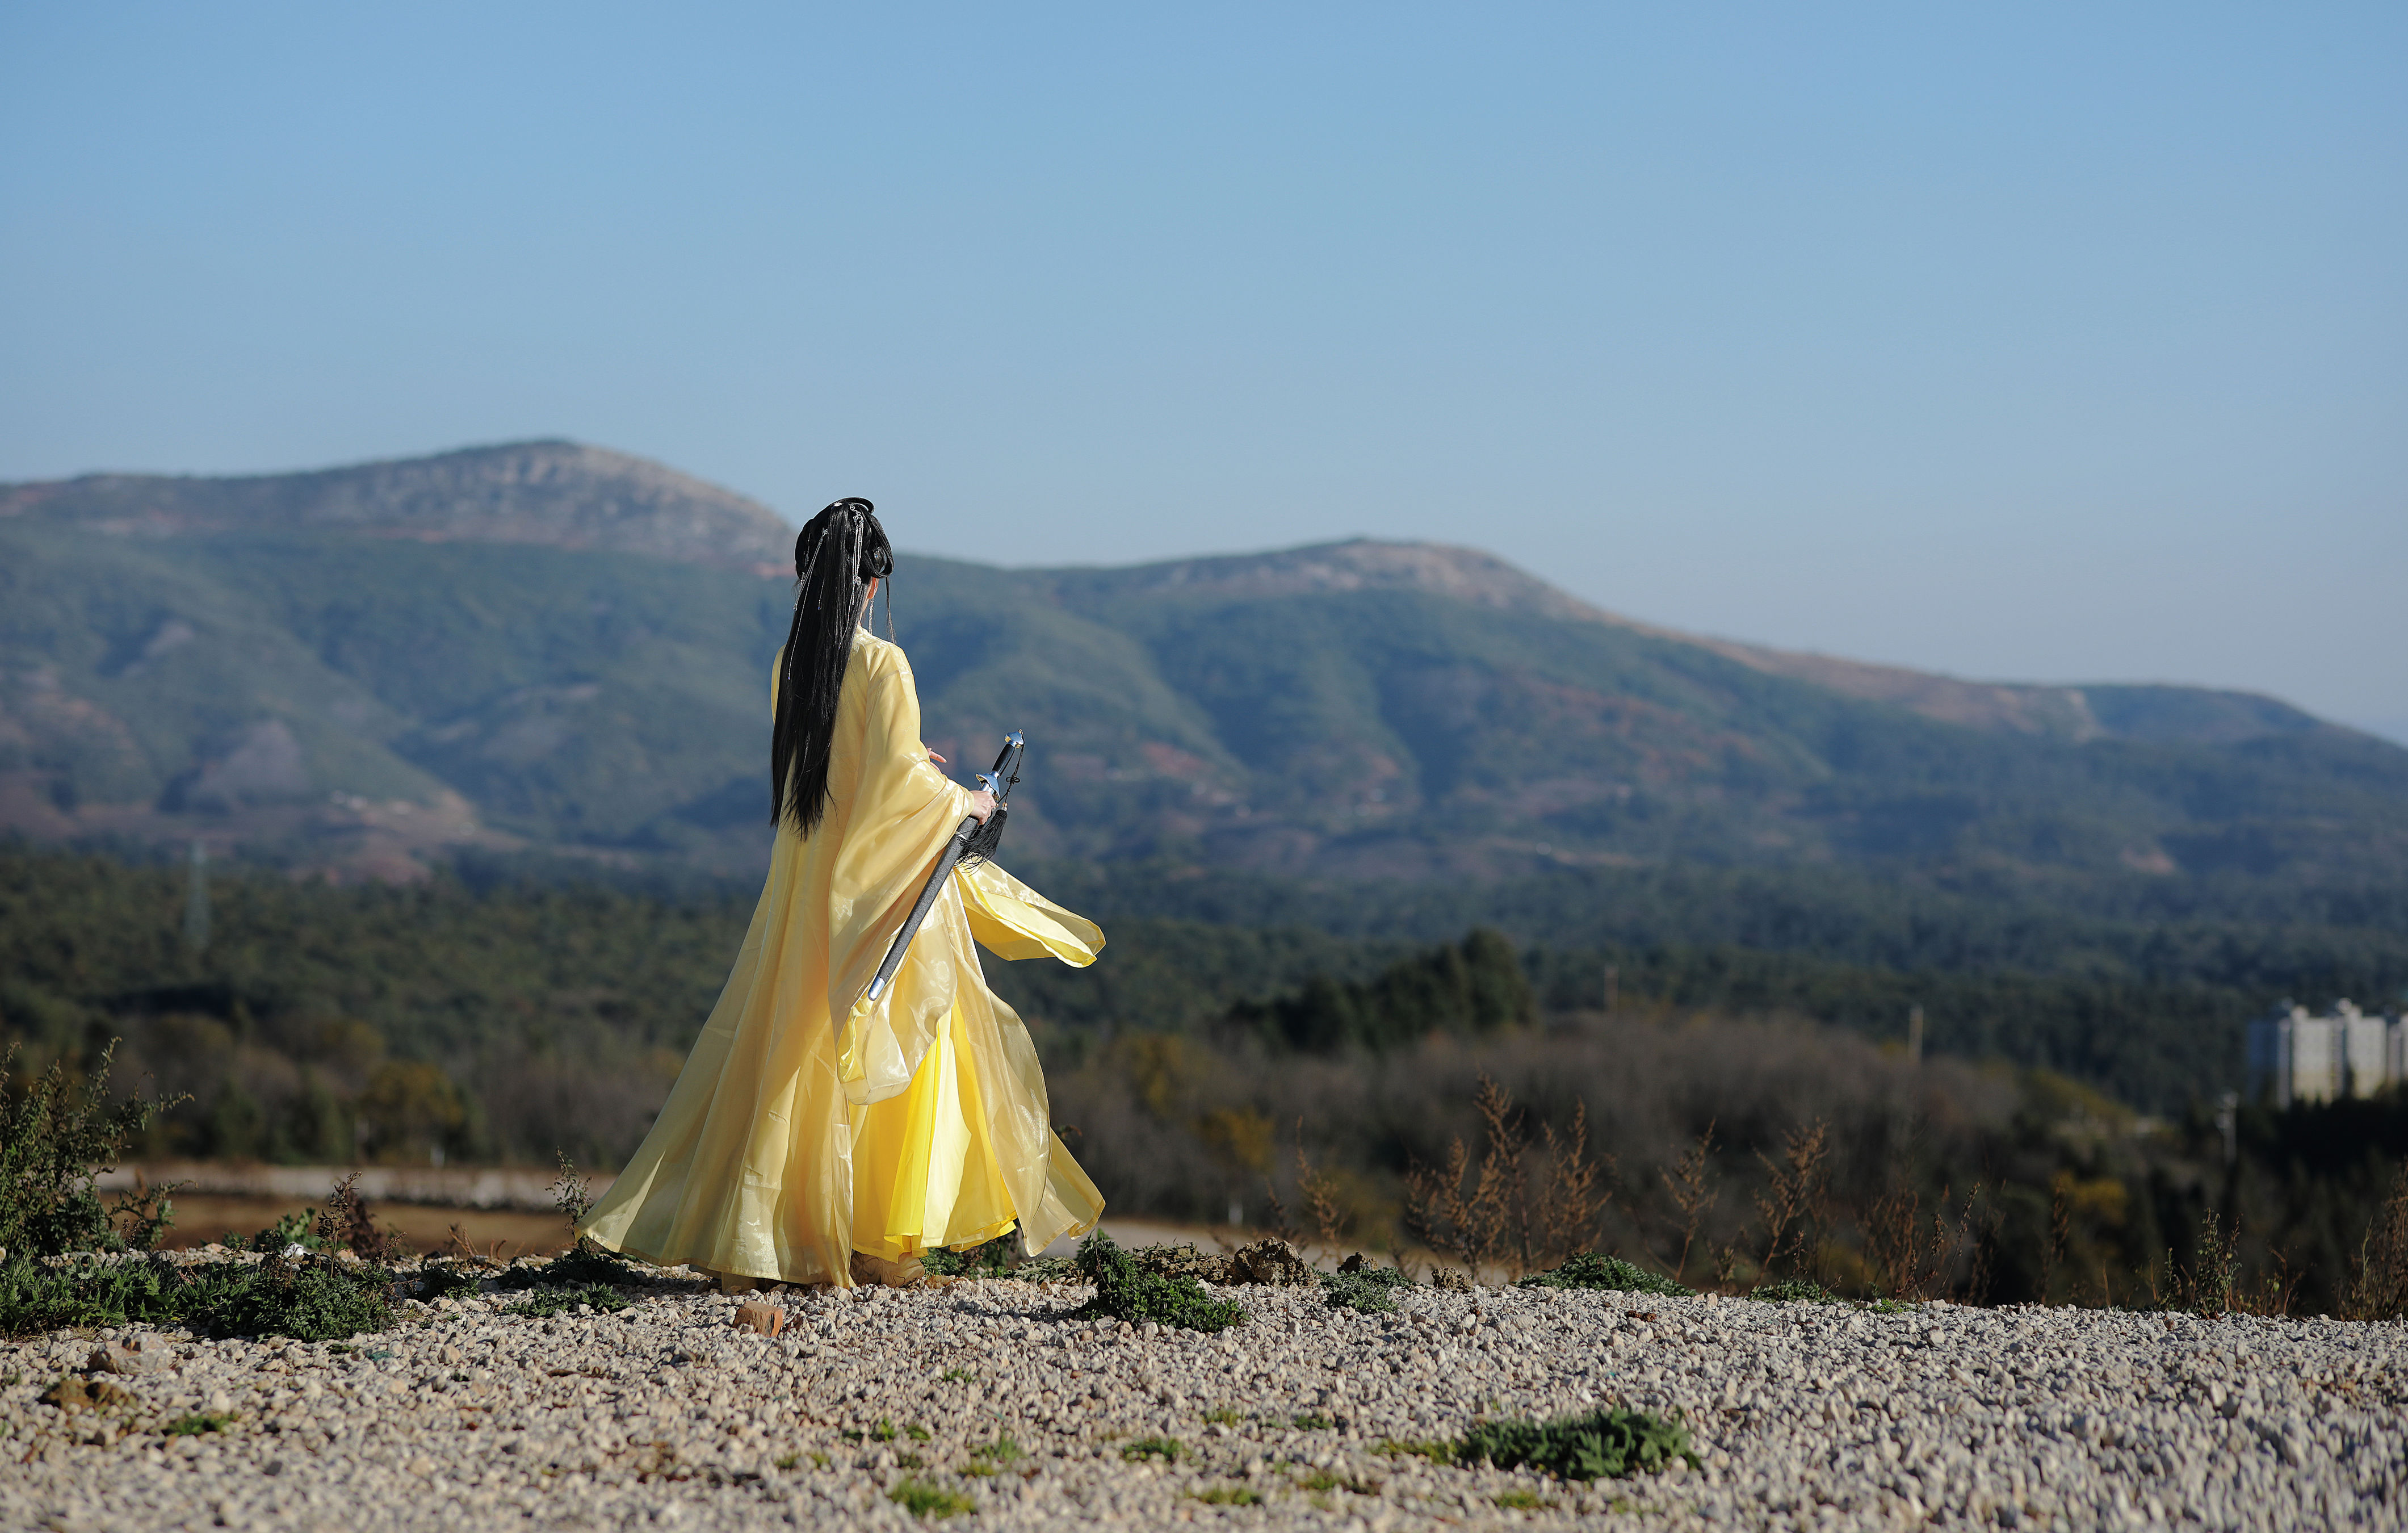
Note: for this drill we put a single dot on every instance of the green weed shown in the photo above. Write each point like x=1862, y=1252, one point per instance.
x=787, y=1461
x=1436, y=1450
x=1128, y=1294
x=199, y=1423
x=54, y=1141
x=314, y=1298
x=1591, y=1270
x=923, y=1499
x=991, y=1260
x=1229, y=1496
x=554, y=1302
x=439, y=1280
x=1521, y=1500
x=1360, y=1292
x=1002, y=1451
x=1223, y=1415
x=1600, y=1444
x=1313, y=1421
x=584, y=1265
x=958, y=1376
x=1795, y=1291
x=1164, y=1448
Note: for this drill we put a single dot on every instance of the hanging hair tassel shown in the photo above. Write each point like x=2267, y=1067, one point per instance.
x=837, y=554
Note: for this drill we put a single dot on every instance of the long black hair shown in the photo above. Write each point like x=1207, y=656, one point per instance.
x=837, y=554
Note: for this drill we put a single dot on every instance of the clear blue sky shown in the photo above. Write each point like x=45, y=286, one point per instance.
x=2054, y=342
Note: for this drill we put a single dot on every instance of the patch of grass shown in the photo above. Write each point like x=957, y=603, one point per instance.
x=1601, y=1444
x=1131, y=1294
x=958, y=1376
x=1890, y=1307
x=292, y=1230
x=1521, y=1500
x=1003, y=1450
x=441, y=1280
x=1223, y=1415
x=1359, y=1292
x=199, y=1421
x=1313, y=1421
x=546, y=1302
x=923, y=1499
x=819, y=1461
x=1165, y=1448
x=1229, y=1496
x=1047, y=1269
x=1324, y=1480
x=1436, y=1450
x=787, y=1461
x=882, y=1432
x=1385, y=1277
x=1794, y=1291
x=991, y=1260
x=916, y=1432
x=907, y=1461
x=1590, y=1269
x=314, y=1298
x=584, y=1263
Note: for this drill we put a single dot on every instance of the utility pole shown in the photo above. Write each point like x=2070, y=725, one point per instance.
x=197, y=897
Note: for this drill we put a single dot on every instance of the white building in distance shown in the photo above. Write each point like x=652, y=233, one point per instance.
x=2298, y=1058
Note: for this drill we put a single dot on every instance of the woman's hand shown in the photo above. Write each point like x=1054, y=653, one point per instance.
x=982, y=805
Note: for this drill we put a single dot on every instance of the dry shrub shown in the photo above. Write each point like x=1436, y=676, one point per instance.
x=1470, y=1226
x=1690, y=1185
x=1572, y=1201
x=347, y=1222
x=1913, y=1260
x=1320, y=1194
x=2378, y=1277
x=1793, y=1204
x=1499, y=1220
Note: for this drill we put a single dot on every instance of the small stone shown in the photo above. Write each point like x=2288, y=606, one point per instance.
x=761, y=1318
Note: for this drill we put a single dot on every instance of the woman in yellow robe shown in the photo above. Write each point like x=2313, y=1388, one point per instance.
x=811, y=1137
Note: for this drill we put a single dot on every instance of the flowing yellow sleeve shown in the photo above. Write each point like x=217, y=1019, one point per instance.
x=897, y=816
x=1012, y=921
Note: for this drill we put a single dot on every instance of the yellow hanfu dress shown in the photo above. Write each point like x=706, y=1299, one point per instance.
x=805, y=1128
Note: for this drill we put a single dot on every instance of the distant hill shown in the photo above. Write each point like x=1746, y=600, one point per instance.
x=557, y=494
x=550, y=646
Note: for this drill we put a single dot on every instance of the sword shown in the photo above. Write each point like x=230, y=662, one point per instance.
x=970, y=838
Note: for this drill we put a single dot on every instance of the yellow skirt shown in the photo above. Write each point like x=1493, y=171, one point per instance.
x=924, y=1172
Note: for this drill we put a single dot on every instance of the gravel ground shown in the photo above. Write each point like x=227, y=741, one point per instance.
x=667, y=1415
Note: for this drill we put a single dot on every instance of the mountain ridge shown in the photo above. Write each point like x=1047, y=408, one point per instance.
x=549, y=645
x=563, y=493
